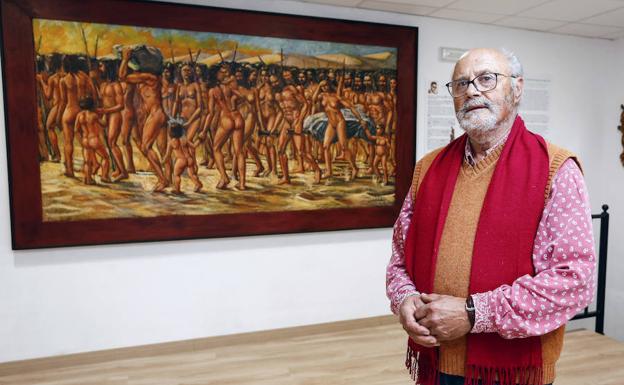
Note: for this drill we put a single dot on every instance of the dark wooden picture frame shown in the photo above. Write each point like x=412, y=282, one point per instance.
x=29, y=230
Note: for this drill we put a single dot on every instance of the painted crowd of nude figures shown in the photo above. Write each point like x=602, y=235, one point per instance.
x=189, y=115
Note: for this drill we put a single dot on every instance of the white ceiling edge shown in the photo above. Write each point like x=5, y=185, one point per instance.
x=335, y=3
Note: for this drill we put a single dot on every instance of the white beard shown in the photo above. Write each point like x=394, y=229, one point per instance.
x=478, y=120
x=482, y=121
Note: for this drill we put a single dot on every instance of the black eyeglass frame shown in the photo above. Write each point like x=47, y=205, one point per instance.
x=496, y=75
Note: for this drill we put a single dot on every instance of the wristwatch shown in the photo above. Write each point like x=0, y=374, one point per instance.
x=470, y=309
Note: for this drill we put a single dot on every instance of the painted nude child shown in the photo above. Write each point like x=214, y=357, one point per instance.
x=92, y=132
x=181, y=148
x=382, y=149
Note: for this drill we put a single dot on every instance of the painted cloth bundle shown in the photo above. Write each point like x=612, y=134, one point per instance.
x=316, y=125
x=144, y=59
x=514, y=202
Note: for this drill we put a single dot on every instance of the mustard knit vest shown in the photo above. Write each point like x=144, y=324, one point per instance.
x=452, y=275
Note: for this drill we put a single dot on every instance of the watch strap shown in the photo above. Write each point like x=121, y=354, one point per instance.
x=470, y=309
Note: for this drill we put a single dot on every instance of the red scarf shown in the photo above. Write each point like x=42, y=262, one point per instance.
x=502, y=251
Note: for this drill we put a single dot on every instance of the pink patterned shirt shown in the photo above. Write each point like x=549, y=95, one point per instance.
x=563, y=257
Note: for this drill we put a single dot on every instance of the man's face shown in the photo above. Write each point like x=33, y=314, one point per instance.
x=264, y=76
x=382, y=82
x=223, y=73
x=393, y=84
x=301, y=78
x=368, y=82
x=357, y=82
x=253, y=76
x=480, y=113
x=331, y=75
x=186, y=72
x=434, y=87
x=348, y=80
x=274, y=82
x=288, y=77
x=239, y=76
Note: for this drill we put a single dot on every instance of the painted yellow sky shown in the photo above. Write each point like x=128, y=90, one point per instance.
x=67, y=37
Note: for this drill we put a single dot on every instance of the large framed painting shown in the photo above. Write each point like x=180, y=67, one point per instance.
x=133, y=121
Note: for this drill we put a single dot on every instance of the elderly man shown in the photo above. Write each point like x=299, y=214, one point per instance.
x=493, y=250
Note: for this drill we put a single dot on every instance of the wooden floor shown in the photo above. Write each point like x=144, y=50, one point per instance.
x=366, y=356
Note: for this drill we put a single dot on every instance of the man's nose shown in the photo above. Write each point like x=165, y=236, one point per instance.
x=472, y=90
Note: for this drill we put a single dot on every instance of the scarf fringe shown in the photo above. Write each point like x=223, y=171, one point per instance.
x=411, y=362
x=530, y=375
x=421, y=371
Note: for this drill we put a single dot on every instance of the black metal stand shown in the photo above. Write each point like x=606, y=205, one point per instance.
x=599, y=313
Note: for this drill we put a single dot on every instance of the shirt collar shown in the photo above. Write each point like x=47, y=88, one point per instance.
x=469, y=155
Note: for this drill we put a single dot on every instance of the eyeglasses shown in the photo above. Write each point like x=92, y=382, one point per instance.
x=483, y=83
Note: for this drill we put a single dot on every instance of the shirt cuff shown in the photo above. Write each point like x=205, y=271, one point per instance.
x=401, y=294
x=484, y=318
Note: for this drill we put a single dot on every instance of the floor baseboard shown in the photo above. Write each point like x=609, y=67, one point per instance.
x=55, y=362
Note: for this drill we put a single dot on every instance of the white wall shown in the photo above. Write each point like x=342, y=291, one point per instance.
x=73, y=300
x=607, y=185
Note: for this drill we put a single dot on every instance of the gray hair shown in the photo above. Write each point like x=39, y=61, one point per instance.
x=512, y=59
x=514, y=64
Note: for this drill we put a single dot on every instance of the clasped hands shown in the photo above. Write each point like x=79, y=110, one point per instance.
x=431, y=318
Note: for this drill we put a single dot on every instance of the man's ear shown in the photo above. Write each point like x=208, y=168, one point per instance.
x=518, y=88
